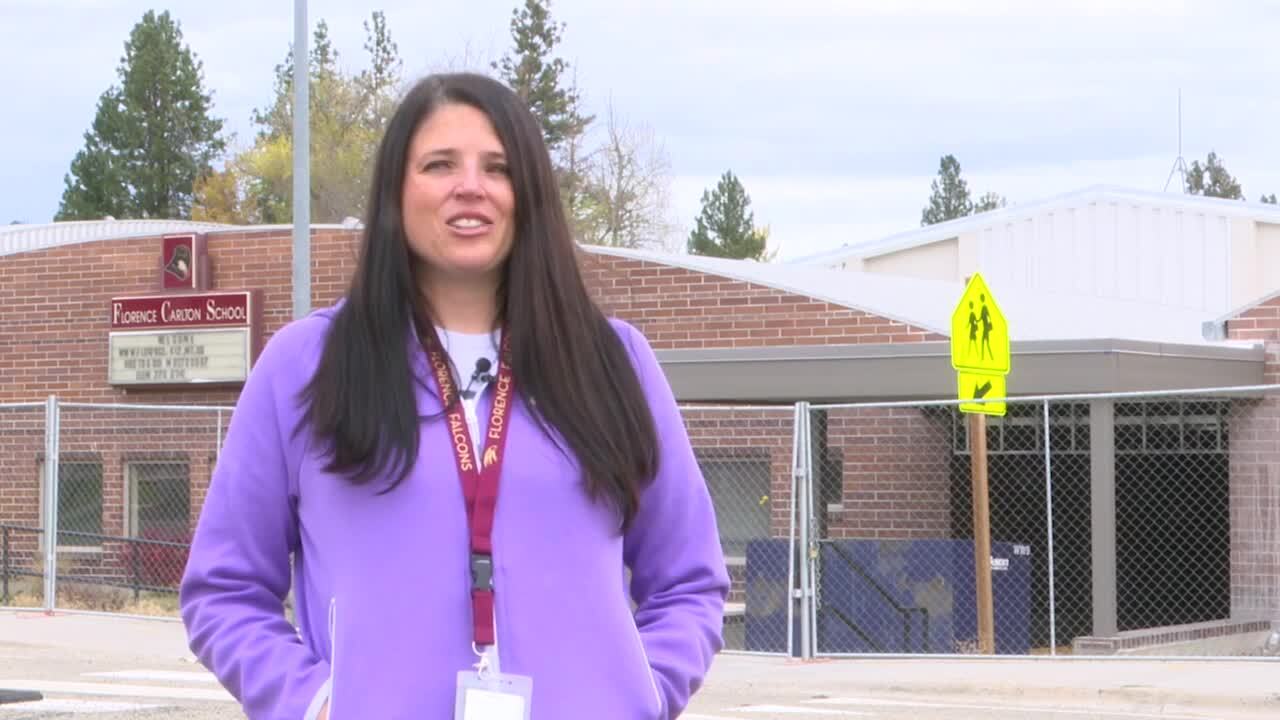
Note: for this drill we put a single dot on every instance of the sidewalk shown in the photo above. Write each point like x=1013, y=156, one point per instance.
x=1240, y=688
x=1210, y=685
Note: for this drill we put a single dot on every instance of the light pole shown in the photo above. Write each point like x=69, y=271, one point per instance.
x=301, y=163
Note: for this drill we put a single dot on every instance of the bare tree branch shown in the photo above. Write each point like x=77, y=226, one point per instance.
x=628, y=189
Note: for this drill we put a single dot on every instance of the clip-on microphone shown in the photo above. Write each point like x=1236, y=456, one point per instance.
x=481, y=373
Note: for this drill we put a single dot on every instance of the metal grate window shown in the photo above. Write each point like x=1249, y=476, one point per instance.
x=79, y=503
x=1020, y=432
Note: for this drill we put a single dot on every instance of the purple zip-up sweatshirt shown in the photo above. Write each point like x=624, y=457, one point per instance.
x=381, y=582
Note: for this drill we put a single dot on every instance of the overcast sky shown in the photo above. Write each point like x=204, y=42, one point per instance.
x=833, y=112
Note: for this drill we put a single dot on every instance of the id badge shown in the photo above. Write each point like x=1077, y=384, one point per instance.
x=492, y=696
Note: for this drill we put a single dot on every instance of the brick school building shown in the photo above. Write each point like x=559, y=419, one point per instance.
x=144, y=330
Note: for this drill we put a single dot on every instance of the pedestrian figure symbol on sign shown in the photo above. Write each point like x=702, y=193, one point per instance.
x=986, y=329
x=973, y=329
x=979, y=332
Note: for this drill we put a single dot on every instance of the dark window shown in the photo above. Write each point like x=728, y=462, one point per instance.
x=740, y=492
x=79, y=504
x=159, y=500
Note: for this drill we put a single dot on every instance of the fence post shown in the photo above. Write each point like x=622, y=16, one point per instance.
x=4, y=563
x=804, y=474
x=811, y=528
x=137, y=576
x=793, y=593
x=1048, y=509
x=51, y=502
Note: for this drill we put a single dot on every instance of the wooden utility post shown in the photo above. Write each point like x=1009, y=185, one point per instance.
x=982, y=533
x=980, y=353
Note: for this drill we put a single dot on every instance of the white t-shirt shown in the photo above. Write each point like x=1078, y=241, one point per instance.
x=470, y=352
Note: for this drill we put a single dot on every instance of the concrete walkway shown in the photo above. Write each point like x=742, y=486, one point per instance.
x=35, y=646
x=1246, y=685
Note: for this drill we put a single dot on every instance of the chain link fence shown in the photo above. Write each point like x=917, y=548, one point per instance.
x=1121, y=524
x=1125, y=524
x=747, y=455
x=123, y=486
x=22, y=556
x=130, y=483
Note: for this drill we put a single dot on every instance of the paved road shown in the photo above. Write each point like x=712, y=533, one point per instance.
x=95, y=668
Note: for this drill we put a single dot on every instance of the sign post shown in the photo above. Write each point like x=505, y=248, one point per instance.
x=980, y=356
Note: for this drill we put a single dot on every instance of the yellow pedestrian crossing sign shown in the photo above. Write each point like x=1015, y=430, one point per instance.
x=979, y=333
x=980, y=349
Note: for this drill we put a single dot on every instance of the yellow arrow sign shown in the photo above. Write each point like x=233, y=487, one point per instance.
x=979, y=333
x=975, y=386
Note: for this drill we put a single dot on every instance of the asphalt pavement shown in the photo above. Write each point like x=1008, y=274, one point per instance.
x=102, y=667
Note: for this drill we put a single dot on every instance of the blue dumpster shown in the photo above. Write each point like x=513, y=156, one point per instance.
x=918, y=596
x=767, y=596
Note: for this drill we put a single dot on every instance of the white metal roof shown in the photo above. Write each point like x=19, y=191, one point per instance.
x=928, y=304
x=27, y=238
x=1096, y=193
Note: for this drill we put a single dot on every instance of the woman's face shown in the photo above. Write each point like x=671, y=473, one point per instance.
x=458, y=203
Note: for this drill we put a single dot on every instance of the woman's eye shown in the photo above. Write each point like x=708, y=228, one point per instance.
x=500, y=168
x=436, y=165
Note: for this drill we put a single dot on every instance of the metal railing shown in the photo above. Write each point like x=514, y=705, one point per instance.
x=135, y=582
x=903, y=611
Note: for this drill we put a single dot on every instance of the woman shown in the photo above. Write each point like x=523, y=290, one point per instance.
x=457, y=464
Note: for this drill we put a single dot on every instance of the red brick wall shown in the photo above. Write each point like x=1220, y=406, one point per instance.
x=53, y=333
x=1255, y=476
x=22, y=445
x=896, y=473
x=53, y=340
x=1255, y=508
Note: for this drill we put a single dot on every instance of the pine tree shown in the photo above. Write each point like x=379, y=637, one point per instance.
x=1212, y=180
x=726, y=226
x=1270, y=199
x=950, y=198
x=381, y=80
x=152, y=136
x=989, y=201
x=541, y=79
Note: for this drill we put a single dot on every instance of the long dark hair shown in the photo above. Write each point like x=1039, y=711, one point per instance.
x=564, y=353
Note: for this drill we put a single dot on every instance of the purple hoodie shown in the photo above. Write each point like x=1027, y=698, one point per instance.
x=381, y=582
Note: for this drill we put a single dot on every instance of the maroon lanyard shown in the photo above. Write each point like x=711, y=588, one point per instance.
x=479, y=485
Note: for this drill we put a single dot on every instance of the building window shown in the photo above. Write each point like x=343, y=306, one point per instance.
x=1021, y=431
x=740, y=492
x=1175, y=426
x=158, y=499
x=79, y=504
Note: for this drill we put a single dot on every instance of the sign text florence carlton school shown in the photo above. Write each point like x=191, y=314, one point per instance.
x=180, y=311
x=179, y=339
